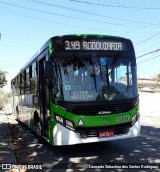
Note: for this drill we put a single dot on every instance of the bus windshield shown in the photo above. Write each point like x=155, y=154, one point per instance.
x=96, y=78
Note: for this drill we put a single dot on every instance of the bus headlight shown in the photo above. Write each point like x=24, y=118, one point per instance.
x=66, y=123
x=134, y=118
x=69, y=125
x=59, y=119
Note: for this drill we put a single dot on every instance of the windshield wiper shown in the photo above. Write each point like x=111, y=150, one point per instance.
x=83, y=65
x=91, y=74
x=113, y=64
x=107, y=75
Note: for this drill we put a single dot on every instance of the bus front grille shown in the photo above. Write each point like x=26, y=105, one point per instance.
x=86, y=132
x=96, y=110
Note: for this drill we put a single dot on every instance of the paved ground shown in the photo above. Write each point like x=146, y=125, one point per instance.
x=143, y=149
x=150, y=109
x=6, y=151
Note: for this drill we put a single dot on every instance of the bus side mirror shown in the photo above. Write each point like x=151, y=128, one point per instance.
x=53, y=85
x=49, y=70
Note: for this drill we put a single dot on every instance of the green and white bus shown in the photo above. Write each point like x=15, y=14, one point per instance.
x=79, y=89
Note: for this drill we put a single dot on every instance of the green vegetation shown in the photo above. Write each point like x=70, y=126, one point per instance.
x=4, y=96
x=158, y=81
x=3, y=80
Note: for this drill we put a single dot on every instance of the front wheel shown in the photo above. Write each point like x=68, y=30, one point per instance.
x=38, y=128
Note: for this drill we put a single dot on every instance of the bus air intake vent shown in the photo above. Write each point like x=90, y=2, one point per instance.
x=93, y=131
x=101, y=109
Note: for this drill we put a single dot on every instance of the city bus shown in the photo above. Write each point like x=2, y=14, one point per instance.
x=79, y=89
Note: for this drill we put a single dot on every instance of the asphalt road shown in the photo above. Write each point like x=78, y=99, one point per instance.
x=94, y=156
x=143, y=149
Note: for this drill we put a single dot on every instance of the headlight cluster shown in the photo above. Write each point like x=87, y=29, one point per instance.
x=65, y=122
x=135, y=117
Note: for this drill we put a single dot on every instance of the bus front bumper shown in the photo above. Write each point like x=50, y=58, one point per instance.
x=64, y=136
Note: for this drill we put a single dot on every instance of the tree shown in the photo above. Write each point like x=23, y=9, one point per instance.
x=3, y=80
x=158, y=80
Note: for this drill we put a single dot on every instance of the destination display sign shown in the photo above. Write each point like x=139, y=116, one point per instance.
x=94, y=45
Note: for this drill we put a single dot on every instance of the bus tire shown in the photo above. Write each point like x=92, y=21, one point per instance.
x=38, y=128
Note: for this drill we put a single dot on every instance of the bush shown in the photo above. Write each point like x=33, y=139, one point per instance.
x=3, y=98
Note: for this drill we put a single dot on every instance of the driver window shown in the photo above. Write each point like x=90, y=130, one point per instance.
x=120, y=74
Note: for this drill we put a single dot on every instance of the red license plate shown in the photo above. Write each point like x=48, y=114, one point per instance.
x=109, y=133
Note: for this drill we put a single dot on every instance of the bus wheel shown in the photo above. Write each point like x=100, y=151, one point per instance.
x=38, y=128
x=19, y=122
x=38, y=132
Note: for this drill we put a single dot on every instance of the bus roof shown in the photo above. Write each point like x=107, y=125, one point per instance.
x=49, y=42
x=89, y=35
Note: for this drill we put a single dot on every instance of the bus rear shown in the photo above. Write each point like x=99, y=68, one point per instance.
x=92, y=83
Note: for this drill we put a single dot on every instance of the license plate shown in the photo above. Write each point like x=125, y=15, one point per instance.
x=109, y=133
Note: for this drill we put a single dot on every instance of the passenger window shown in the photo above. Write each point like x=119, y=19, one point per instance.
x=22, y=82
x=34, y=78
x=27, y=81
x=18, y=85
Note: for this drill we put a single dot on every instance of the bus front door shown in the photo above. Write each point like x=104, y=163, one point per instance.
x=43, y=98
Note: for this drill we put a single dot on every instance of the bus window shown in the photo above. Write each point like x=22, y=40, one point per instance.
x=27, y=81
x=34, y=78
x=18, y=85
x=22, y=82
x=13, y=86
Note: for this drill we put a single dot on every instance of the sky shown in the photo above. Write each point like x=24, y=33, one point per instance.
x=25, y=25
